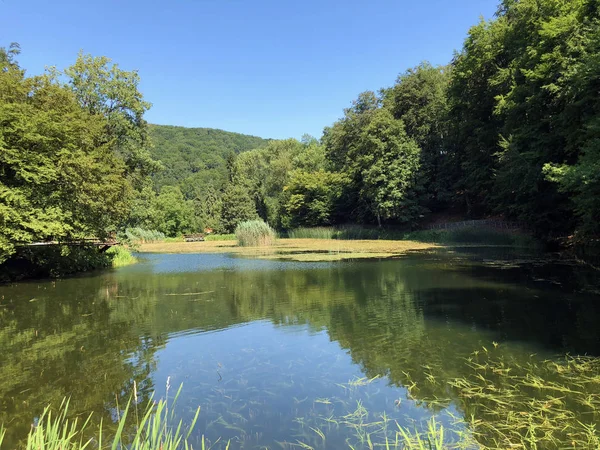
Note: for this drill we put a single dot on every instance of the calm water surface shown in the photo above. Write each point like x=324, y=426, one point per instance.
x=277, y=352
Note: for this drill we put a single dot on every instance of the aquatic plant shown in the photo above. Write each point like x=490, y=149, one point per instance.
x=154, y=429
x=139, y=235
x=254, y=233
x=121, y=256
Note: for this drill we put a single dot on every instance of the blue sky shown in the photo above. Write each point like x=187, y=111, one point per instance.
x=269, y=68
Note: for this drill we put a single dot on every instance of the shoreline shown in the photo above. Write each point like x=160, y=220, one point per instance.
x=308, y=250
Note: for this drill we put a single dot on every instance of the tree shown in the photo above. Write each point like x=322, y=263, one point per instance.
x=173, y=214
x=311, y=198
x=237, y=206
x=388, y=162
x=112, y=93
x=59, y=178
x=420, y=99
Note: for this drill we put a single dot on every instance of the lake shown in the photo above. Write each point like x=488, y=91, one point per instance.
x=325, y=355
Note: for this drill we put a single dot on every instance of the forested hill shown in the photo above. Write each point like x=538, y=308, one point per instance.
x=194, y=158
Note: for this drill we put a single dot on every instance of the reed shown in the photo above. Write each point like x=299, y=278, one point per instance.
x=155, y=429
x=138, y=235
x=312, y=233
x=255, y=233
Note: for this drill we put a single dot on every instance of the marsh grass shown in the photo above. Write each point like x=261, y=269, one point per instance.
x=312, y=233
x=139, y=235
x=120, y=256
x=475, y=236
x=220, y=237
x=255, y=233
x=154, y=429
x=480, y=236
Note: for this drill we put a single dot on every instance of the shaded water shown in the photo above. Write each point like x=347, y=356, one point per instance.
x=318, y=354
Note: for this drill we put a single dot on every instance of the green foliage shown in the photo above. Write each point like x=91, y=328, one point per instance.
x=172, y=214
x=524, y=97
x=264, y=173
x=312, y=233
x=120, y=256
x=420, y=99
x=157, y=429
x=311, y=198
x=254, y=233
x=220, y=237
x=52, y=261
x=388, y=162
x=58, y=176
x=195, y=158
x=237, y=207
x=477, y=236
x=106, y=90
x=141, y=236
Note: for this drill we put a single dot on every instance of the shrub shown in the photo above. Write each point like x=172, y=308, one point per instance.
x=121, y=256
x=140, y=236
x=254, y=233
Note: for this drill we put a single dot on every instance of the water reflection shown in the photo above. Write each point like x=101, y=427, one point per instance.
x=266, y=347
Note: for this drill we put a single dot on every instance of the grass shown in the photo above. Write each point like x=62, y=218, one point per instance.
x=120, y=256
x=474, y=236
x=505, y=403
x=312, y=233
x=482, y=236
x=255, y=233
x=220, y=237
x=140, y=235
x=154, y=429
x=312, y=250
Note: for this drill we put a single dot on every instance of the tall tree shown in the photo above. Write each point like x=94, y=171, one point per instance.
x=420, y=99
x=59, y=178
x=106, y=90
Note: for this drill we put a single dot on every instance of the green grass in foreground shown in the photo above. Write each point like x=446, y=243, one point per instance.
x=155, y=429
x=120, y=256
x=480, y=236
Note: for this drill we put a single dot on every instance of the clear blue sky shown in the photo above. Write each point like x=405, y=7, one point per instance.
x=268, y=68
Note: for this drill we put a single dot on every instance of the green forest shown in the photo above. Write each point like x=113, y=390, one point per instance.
x=510, y=127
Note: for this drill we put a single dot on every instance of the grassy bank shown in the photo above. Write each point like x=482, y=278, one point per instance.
x=469, y=236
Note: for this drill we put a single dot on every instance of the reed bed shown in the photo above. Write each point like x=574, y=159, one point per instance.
x=255, y=233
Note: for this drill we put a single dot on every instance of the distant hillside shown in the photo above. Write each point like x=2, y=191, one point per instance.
x=195, y=158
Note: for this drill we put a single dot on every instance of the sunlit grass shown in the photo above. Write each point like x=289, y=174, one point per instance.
x=255, y=233
x=154, y=429
x=120, y=256
x=220, y=237
x=312, y=233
